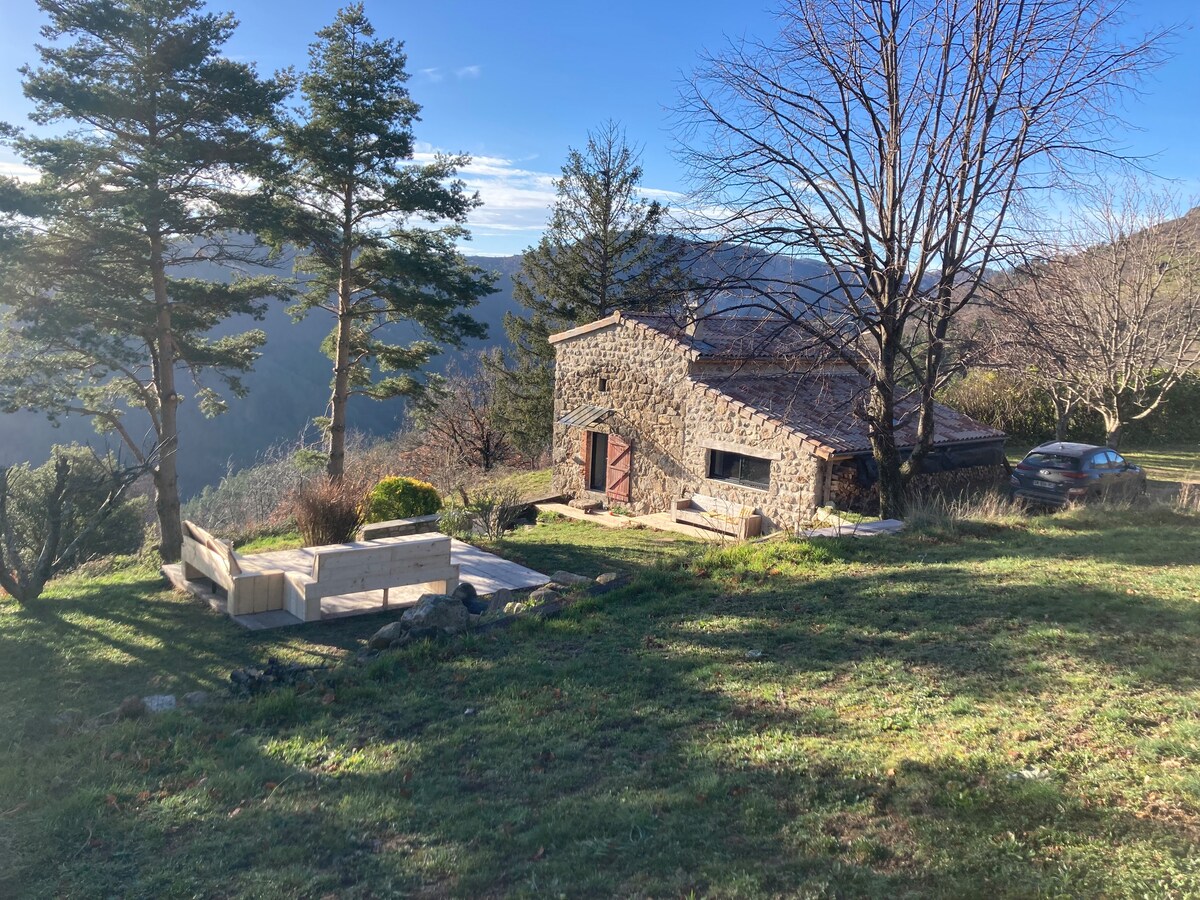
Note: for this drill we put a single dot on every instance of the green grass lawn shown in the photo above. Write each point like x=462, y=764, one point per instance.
x=1007, y=708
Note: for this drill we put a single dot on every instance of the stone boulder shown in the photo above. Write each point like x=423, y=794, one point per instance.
x=499, y=599
x=383, y=638
x=569, y=578
x=439, y=611
x=607, y=578
x=544, y=595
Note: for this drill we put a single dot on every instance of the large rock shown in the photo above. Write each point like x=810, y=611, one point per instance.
x=499, y=599
x=439, y=611
x=544, y=595
x=607, y=578
x=382, y=639
x=563, y=577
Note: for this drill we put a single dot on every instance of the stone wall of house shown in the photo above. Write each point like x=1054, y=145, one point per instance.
x=847, y=490
x=668, y=419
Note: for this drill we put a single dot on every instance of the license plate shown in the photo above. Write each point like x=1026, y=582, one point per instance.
x=1044, y=484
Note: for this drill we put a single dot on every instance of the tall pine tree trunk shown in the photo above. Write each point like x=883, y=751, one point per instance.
x=336, y=467
x=166, y=473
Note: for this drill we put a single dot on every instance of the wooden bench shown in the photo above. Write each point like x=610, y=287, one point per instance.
x=370, y=566
x=297, y=580
x=718, y=515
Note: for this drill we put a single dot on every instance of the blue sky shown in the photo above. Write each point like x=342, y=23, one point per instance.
x=516, y=83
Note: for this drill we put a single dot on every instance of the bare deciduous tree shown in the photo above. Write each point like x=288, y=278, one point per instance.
x=1110, y=321
x=889, y=140
x=458, y=414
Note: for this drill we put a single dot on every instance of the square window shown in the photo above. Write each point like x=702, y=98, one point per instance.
x=604, y=385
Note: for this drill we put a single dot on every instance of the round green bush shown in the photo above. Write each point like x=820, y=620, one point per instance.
x=401, y=498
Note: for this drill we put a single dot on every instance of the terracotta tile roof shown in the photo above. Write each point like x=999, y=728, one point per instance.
x=821, y=408
x=733, y=337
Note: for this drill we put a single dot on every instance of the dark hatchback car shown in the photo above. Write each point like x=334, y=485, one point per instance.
x=1060, y=473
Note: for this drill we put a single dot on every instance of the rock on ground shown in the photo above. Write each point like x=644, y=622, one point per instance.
x=564, y=577
x=607, y=578
x=382, y=639
x=437, y=611
x=544, y=595
x=500, y=599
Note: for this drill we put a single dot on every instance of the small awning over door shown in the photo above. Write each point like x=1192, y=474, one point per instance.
x=583, y=416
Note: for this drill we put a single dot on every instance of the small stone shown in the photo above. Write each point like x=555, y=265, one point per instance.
x=197, y=698
x=131, y=708
x=607, y=578
x=469, y=711
x=383, y=638
x=513, y=608
x=544, y=595
x=160, y=703
x=754, y=654
x=564, y=577
x=500, y=599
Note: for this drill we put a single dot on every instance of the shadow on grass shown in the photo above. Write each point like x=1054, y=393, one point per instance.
x=635, y=747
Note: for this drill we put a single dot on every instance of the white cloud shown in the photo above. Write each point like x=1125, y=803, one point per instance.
x=19, y=171
x=433, y=74
x=516, y=199
x=469, y=71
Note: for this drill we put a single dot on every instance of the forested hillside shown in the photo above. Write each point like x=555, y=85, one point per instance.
x=288, y=388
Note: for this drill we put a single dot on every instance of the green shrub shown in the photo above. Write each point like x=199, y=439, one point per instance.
x=401, y=498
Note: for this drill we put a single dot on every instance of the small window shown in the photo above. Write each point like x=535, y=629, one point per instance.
x=604, y=385
x=734, y=467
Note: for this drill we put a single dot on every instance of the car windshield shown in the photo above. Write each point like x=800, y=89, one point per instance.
x=1052, y=461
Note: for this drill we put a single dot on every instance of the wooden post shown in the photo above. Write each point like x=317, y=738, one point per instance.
x=385, y=598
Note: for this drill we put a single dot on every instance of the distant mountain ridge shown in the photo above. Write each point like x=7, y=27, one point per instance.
x=288, y=388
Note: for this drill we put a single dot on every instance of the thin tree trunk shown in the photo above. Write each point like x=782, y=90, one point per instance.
x=166, y=473
x=1062, y=419
x=887, y=455
x=1112, y=432
x=336, y=467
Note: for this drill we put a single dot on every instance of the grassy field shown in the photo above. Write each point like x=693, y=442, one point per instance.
x=1008, y=708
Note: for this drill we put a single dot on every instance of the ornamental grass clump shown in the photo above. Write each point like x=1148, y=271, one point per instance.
x=401, y=498
x=328, y=511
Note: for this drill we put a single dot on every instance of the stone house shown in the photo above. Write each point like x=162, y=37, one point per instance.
x=647, y=412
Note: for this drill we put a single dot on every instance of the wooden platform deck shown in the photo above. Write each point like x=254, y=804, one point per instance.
x=486, y=571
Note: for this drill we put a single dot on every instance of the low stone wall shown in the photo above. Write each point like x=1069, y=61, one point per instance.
x=399, y=527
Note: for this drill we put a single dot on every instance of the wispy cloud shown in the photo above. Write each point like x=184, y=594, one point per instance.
x=468, y=72
x=517, y=199
x=433, y=74
x=19, y=171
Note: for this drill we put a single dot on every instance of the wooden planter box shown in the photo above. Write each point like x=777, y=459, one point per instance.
x=718, y=515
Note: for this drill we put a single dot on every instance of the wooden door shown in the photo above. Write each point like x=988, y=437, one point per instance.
x=620, y=465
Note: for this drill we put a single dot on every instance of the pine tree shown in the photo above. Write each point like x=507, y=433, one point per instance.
x=350, y=195
x=105, y=274
x=603, y=250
